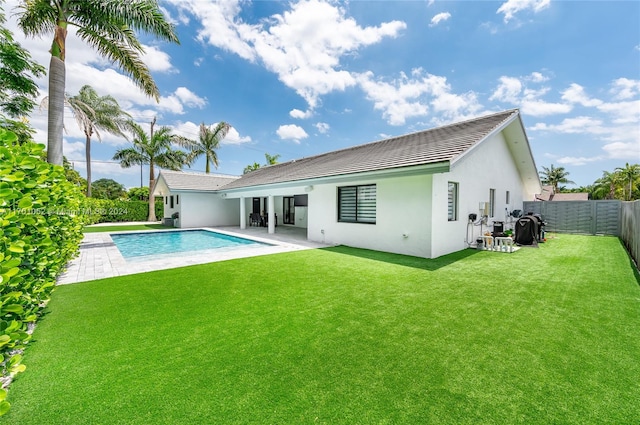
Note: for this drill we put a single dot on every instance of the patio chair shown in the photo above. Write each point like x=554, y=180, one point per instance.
x=255, y=219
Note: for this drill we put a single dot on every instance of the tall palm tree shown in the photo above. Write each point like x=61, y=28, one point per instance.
x=606, y=186
x=109, y=26
x=207, y=144
x=153, y=149
x=94, y=113
x=629, y=174
x=553, y=176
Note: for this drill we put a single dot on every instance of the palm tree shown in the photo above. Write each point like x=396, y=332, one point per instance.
x=271, y=159
x=207, y=144
x=152, y=149
x=553, y=176
x=629, y=174
x=606, y=186
x=110, y=26
x=94, y=113
x=251, y=167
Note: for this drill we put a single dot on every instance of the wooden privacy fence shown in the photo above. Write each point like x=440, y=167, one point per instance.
x=615, y=218
x=585, y=217
x=630, y=229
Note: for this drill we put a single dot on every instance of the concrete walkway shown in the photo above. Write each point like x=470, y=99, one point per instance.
x=100, y=258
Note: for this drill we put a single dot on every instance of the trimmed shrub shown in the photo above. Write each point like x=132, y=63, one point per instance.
x=111, y=211
x=40, y=231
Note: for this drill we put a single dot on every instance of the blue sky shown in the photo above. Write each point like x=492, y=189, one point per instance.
x=303, y=78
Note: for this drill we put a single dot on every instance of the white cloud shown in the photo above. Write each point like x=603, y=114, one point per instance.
x=537, y=77
x=623, y=112
x=576, y=94
x=508, y=90
x=440, y=17
x=322, y=127
x=624, y=88
x=515, y=91
x=575, y=161
x=297, y=113
x=303, y=46
x=73, y=150
x=619, y=150
x=180, y=98
x=191, y=130
x=234, y=138
x=291, y=132
x=157, y=60
x=511, y=7
x=576, y=125
x=408, y=97
x=540, y=108
x=189, y=98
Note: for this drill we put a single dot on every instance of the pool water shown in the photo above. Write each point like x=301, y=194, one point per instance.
x=157, y=244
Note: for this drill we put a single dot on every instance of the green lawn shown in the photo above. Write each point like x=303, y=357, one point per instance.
x=346, y=336
x=123, y=227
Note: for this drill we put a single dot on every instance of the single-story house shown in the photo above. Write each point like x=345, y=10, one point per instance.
x=549, y=194
x=411, y=194
x=193, y=199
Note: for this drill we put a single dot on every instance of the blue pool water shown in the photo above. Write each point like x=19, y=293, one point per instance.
x=139, y=245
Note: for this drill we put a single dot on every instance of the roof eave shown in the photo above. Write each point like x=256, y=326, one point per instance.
x=431, y=168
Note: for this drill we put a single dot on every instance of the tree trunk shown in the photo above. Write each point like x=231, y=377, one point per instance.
x=56, y=110
x=88, y=157
x=152, y=203
x=152, y=199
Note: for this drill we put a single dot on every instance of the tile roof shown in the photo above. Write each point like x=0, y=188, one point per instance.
x=435, y=145
x=579, y=196
x=180, y=180
x=548, y=194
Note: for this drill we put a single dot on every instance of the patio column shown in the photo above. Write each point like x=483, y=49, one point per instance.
x=272, y=214
x=243, y=214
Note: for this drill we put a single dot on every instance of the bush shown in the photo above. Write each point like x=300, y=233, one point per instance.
x=41, y=230
x=110, y=211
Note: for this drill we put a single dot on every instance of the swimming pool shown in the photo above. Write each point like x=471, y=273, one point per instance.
x=147, y=245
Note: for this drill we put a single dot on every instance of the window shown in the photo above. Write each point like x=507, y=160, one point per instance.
x=452, y=201
x=177, y=199
x=166, y=200
x=508, y=198
x=171, y=202
x=492, y=202
x=357, y=204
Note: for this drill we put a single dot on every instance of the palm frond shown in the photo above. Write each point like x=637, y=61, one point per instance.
x=129, y=157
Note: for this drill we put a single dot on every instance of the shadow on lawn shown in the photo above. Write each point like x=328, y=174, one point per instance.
x=404, y=260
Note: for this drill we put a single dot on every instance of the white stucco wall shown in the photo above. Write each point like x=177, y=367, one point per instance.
x=168, y=211
x=402, y=207
x=488, y=166
x=207, y=209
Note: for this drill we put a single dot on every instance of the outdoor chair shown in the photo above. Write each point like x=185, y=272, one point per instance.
x=255, y=219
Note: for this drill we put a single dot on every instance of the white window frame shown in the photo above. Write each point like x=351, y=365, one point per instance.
x=453, y=188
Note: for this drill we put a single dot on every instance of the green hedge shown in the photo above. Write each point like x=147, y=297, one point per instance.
x=112, y=211
x=41, y=230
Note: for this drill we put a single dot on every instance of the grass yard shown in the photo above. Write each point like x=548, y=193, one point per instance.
x=346, y=336
x=123, y=227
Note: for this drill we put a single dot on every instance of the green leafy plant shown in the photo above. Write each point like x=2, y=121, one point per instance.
x=40, y=231
x=112, y=211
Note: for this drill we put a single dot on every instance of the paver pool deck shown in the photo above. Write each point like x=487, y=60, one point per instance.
x=99, y=257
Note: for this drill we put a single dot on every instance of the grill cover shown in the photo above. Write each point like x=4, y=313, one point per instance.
x=526, y=231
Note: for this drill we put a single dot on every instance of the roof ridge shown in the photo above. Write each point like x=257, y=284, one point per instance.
x=200, y=173
x=389, y=139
